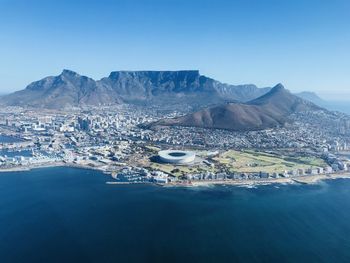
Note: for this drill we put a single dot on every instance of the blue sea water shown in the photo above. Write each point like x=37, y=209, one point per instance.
x=72, y=215
x=24, y=153
x=342, y=106
x=8, y=139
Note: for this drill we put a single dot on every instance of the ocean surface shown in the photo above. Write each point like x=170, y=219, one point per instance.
x=24, y=153
x=72, y=215
x=8, y=139
x=342, y=106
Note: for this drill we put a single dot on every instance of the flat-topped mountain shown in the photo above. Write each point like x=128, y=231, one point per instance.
x=267, y=111
x=142, y=87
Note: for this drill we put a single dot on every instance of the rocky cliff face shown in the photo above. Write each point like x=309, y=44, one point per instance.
x=67, y=89
x=142, y=87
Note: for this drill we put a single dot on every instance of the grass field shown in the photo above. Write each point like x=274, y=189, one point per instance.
x=250, y=162
x=247, y=161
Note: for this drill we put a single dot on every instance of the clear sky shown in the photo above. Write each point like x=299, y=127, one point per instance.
x=304, y=44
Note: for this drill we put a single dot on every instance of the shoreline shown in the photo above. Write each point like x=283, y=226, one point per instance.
x=50, y=165
x=308, y=180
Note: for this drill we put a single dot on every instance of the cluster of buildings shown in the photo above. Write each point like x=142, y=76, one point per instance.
x=111, y=138
x=265, y=175
x=32, y=160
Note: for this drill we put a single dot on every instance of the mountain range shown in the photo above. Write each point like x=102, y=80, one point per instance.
x=212, y=104
x=268, y=111
x=69, y=89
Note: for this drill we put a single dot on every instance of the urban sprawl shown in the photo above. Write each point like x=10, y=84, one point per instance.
x=116, y=141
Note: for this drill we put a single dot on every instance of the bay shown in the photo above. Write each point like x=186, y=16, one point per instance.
x=72, y=215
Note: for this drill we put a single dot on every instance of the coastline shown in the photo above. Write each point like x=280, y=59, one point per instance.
x=50, y=165
x=310, y=179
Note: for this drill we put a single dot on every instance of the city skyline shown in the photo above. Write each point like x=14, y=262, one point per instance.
x=302, y=45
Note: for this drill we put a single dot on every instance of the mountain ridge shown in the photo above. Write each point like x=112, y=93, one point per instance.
x=70, y=89
x=268, y=111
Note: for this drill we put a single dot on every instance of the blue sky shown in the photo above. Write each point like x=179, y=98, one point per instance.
x=304, y=44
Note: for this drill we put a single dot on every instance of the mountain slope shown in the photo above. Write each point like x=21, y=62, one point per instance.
x=242, y=93
x=67, y=89
x=143, y=87
x=281, y=101
x=313, y=97
x=267, y=111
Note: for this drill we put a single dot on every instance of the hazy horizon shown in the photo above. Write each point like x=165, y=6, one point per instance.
x=303, y=45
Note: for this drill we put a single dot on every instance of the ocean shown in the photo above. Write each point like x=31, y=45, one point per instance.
x=8, y=139
x=72, y=215
x=342, y=106
x=24, y=153
x=10, y=153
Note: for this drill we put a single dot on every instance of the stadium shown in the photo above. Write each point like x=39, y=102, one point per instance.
x=176, y=156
